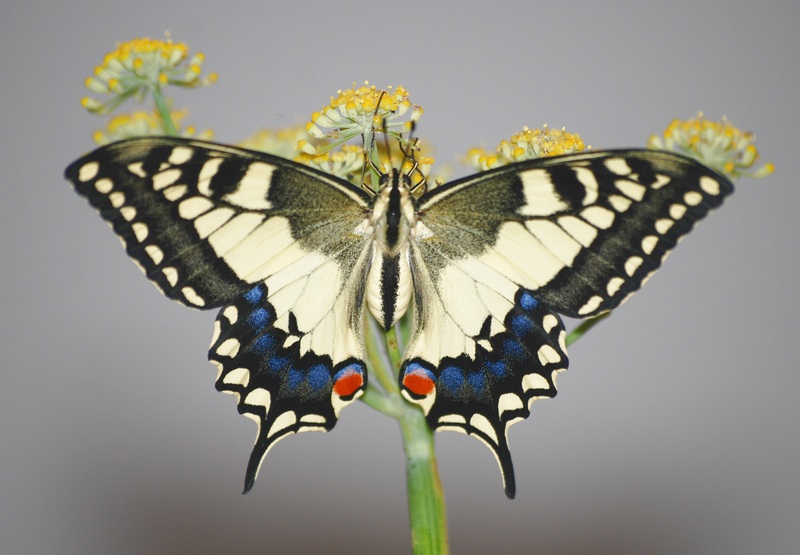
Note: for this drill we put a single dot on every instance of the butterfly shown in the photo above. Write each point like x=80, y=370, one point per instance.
x=487, y=264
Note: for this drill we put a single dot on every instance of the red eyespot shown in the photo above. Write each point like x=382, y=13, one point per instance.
x=348, y=383
x=418, y=383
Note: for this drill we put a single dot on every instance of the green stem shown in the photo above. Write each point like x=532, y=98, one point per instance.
x=426, y=507
x=163, y=113
x=578, y=332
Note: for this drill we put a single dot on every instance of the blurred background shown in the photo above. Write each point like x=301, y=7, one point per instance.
x=676, y=427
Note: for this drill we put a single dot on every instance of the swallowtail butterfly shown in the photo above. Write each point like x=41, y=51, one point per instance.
x=486, y=264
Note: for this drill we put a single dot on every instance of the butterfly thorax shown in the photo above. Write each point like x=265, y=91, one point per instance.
x=394, y=215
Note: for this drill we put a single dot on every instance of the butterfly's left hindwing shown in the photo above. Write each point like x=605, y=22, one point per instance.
x=284, y=387
x=277, y=242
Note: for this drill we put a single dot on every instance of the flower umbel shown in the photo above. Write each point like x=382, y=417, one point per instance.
x=526, y=145
x=363, y=111
x=140, y=66
x=719, y=145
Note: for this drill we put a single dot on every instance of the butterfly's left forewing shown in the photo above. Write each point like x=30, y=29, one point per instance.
x=275, y=243
x=497, y=255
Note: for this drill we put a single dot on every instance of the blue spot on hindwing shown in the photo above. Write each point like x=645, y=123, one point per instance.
x=477, y=381
x=254, y=295
x=528, y=301
x=259, y=318
x=451, y=377
x=513, y=349
x=521, y=325
x=495, y=368
x=277, y=364
x=319, y=376
x=264, y=344
x=294, y=378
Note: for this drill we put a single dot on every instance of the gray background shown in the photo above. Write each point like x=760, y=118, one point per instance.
x=676, y=429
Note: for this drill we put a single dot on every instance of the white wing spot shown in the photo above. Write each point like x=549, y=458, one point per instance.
x=589, y=181
x=618, y=165
x=88, y=171
x=507, y=402
x=547, y=354
x=620, y=203
x=590, y=306
x=180, y=155
x=214, y=337
x=549, y=322
x=313, y=419
x=452, y=419
x=104, y=185
x=534, y=381
x=676, y=211
x=709, y=185
x=660, y=181
x=613, y=285
x=117, y=199
x=285, y=420
x=208, y=171
x=137, y=169
x=155, y=254
x=664, y=224
x=166, y=178
x=128, y=212
x=171, y=275
x=229, y=348
x=231, y=313
x=192, y=207
x=649, y=243
x=175, y=192
x=140, y=230
x=239, y=376
x=598, y=216
x=631, y=189
x=632, y=264
x=191, y=295
x=259, y=397
x=482, y=423
x=693, y=198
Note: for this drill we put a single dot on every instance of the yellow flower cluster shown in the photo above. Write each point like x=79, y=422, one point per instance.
x=526, y=145
x=346, y=163
x=719, y=145
x=143, y=65
x=364, y=111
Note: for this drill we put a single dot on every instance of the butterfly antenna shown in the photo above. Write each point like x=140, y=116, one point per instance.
x=369, y=146
x=408, y=154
